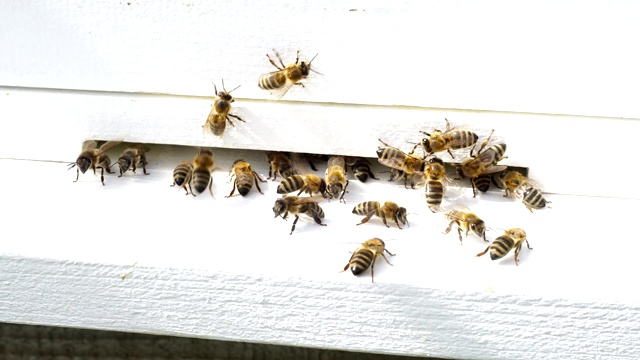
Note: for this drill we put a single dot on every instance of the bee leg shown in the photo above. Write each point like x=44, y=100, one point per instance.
x=388, y=252
x=102, y=175
x=446, y=231
x=133, y=167
x=367, y=218
x=460, y=234
x=297, y=56
x=484, y=252
x=144, y=167
x=343, y=192
x=316, y=217
x=517, y=252
x=450, y=153
x=232, y=191
x=313, y=167
x=294, y=224
x=528, y=247
x=211, y=191
x=94, y=168
x=190, y=189
x=384, y=218
x=373, y=264
x=77, y=175
x=529, y=207
x=257, y=178
x=371, y=175
x=473, y=187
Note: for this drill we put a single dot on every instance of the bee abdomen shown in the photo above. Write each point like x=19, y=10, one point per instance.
x=365, y=207
x=291, y=184
x=482, y=182
x=361, y=170
x=361, y=261
x=532, y=197
x=181, y=173
x=317, y=209
x=464, y=138
x=434, y=192
x=272, y=81
x=201, y=179
x=500, y=247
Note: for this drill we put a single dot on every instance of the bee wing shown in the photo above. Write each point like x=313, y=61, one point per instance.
x=89, y=145
x=277, y=94
x=495, y=169
x=109, y=144
x=142, y=149
x=458, y=210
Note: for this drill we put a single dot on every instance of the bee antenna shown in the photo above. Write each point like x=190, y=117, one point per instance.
x=310, y=61
x=71, y=165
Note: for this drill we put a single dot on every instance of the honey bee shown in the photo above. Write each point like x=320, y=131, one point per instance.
x=409, y=164
x=336, y=177
x=202, y=167
x=245, y=177
x=452, y=138
x=94, y=157
x=219, y=115
x=310, y=184
x=280, y=81
x=366, y=255
x=182, y=175
x=296, y=206
x=521, y=187
x=466, y=221
x=512, y=239
x=279, y=164
x=132, y=157
x=435, y=183
x=361, y=169
x=483, y=162
x=389, y=210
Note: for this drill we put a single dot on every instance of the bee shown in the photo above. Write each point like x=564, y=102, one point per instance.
x=182, y=175
x=389, y=210
x=466, y=221
x=245, y=177
x=512, y=239
x=336, y=177
x=483, y=162
x=366, y=255
x=435, y=183
x=296, y=206
x=394, y=158
x=219, y=115
x=202, y=167
x=361, y=169
x=132, y=157
x=310, y=184
x=94, y=157
x=280, y=81
x=521, y=187
x=279, y=164
x=451, y=139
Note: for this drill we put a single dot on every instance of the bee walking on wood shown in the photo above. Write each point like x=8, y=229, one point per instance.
x=465, y=221
x=94, y=157
x=219, y=115
x=310, y=184
x=365, y=257
x=202, y=167
x=361, y=169
x=512, y=239
x=435, y=183
x=389, y=210
x=182, y=176
x=244, y=178
x=280, y=81
x=297, y=206
x=336, y=177
x=409, y=164
x=520, y=187
x=132, y=157
x=484, y=162
x=279, y=164
x=453, y=138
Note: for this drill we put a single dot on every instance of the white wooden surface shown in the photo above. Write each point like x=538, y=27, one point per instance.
x=555, y=80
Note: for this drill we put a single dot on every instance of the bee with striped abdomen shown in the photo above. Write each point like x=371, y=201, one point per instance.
x=182, y=176
x=361, y=169
x=280, y=81
x=409, y=164
x=520, y=187
x=279, y=164
x=310, y=184
x=202, y=167
x=389, y=210
x=483, y=162
x=297, y=206
x=436, y=177
x=465, y=221
x=133, y=156
x=94, y=157
x=244, y=178
x=512, y=239
x=219, y=114
x=453, y=138
x=366, y=255
x=336, y=177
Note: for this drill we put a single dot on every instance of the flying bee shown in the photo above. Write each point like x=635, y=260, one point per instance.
x=94, y=157
x=245, y=177
x=483, y=162
x=394, y=158
x=366, y=255
x=280, y=81
x=279, y=164
x=512, y=239
x=466, y=221
x=182, y=175
x=202, y=167
x=336, y=177
x=132, y=157
x=389, y=210
x=310, y=184
x=361, y=169
x=219, y=115
x=435, y=183
x=296, y=206
x=453, y=138
x=518, y=186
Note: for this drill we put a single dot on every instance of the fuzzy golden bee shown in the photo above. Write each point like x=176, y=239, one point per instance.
x=280, y=81
x=483, y=162
x=245, y=177
x=182, y=176
x=296, y=206
x=366, y=255
x=203, y=164
x=435, y=184
x=361, y=169
x=220, y=112
x=410, y=164
x=465, y=221
x=134, y=156
x=279, y=164
x=453, y=138
x=520, y=187
x=336, y=177
x=94, y=157
x=389, y=210
x=311, y=184
x=511, y=239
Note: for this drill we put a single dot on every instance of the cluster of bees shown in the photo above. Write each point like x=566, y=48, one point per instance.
x=480, y=167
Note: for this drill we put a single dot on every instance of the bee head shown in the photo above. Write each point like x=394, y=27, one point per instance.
x=279, y=207
x=83, y=163
x=124, y=163
x=478, y=227
x=402, y=215
x=335, y=189
x=426, y=145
